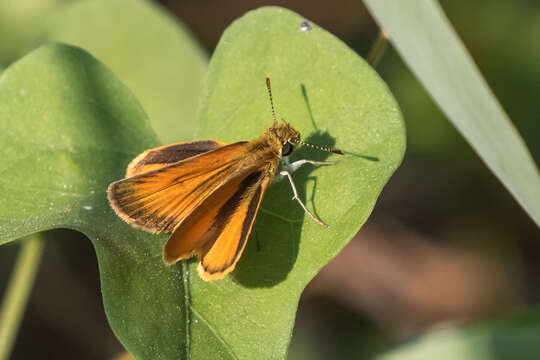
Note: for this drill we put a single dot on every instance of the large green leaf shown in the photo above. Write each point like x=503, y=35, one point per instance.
x=69, y=128
x=152, y=53
x=426, y=41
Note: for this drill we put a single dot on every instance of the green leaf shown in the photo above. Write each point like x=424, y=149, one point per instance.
x=149, y=50
x=70, y=128
x=427, y=43
x=512, y=338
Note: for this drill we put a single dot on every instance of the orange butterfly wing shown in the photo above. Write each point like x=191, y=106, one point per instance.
x=219, y=228
x=159, y=157
x=158, y=200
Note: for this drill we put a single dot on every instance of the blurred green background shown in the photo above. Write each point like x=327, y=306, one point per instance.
x=447, y=247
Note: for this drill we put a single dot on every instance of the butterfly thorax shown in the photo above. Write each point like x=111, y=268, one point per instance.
x=267, y=149
x=275, y=137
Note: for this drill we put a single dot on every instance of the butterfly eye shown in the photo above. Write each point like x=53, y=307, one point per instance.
x=287, y=149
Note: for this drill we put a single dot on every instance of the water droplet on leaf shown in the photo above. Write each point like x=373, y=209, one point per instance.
x=305, y=27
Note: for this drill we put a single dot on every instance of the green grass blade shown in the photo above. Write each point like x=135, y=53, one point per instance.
x=426, y=41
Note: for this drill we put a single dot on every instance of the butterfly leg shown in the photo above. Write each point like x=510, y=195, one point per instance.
x=288, y=174
x=292, y=167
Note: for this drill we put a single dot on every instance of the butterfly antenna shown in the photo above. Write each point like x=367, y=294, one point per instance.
x=271, y=101
x=323, y=148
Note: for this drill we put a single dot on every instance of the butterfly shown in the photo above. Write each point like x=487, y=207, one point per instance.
x=207, y=193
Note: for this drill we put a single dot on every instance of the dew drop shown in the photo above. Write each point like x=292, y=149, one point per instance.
x=305, y=27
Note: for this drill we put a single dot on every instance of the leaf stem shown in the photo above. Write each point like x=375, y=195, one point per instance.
x=18, y=291
x=377, y=50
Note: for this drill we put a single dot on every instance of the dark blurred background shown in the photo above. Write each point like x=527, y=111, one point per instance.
x=446, y=243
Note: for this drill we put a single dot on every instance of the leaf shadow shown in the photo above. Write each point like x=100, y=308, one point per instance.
x=272, y=250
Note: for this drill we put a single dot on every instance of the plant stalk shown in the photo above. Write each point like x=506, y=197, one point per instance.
x=18, y=291
x=377, y=50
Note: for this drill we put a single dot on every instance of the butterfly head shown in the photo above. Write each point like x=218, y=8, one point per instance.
x=286, y=136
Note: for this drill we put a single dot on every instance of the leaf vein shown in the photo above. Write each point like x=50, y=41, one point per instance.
x=214, y=331
x=187, y=304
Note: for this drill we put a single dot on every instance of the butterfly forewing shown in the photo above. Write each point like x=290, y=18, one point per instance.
x=222, y=256
x=168, y=154
x=158, y=200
